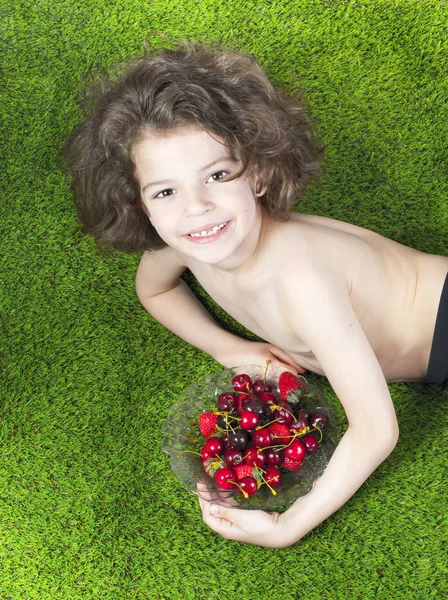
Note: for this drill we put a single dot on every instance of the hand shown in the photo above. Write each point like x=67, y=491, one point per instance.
x=246, y=352
x=249, y=526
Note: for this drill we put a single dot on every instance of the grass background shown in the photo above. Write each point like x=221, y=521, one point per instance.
x=88, y=505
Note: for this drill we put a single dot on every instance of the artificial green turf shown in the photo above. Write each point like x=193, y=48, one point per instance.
x=88, y=505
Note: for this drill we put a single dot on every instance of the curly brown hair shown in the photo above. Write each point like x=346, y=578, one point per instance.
x=223, y=91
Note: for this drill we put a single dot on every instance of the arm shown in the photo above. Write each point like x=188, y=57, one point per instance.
x=321, y=314
x=340, y=345
x=170, y=301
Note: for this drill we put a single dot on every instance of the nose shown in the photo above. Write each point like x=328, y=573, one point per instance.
x=196, y=203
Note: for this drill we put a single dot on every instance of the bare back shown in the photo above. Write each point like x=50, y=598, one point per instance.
x=394, y=290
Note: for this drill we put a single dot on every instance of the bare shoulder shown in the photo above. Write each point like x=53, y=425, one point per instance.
x=332, y=224
x=318, y=246
x=159, y=271
x=336, y=249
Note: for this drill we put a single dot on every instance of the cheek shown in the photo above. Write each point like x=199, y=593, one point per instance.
x=163, y=231
x=163, y=222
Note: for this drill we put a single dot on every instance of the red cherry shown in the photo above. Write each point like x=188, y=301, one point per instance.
x=300, y=426
x=262, y=438
x=274, y=457
x=319, y=420
x=249, y=420
x=273, y=476
x=260, y=386
x=310, y=442
x=284, y=413
x=238, y=438
x=255, y=405
x=255, y=456
x=251, y=397
x=213, y=446
x=233, y=457
x=248, y=484
x=267, y=397
x=295, y=451
x=242, y=383
x=224, y=477
x=226, y=402
x=205, y=455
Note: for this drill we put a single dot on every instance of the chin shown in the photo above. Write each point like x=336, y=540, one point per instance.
x=215, y=260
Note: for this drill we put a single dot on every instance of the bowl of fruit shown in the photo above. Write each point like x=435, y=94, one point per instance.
x=251, y=437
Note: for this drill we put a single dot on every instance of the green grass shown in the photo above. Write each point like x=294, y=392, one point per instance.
x=89, y=507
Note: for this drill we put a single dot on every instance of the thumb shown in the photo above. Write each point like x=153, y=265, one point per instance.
x=286, y=361
x=234, y=515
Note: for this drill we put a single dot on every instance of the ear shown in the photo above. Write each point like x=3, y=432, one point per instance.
x=259, y=182
x=260, y=186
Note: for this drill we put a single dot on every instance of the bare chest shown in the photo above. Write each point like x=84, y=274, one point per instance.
x=381, y=278
x=258, y=307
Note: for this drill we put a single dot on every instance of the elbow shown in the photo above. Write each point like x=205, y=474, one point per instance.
x=389, y=440
x=381, y=437
x=390, y=434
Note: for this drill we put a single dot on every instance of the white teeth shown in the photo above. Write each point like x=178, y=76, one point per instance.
x=209, y=232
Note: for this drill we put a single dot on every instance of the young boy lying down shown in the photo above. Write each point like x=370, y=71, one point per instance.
x=193, y=158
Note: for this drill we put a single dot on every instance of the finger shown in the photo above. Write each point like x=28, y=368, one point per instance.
x=288, y=366
x=215, y=495
x=288, y=360
x=235, y=516
x=219, y=524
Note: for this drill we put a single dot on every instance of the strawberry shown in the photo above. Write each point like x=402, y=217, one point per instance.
x=207, y=423
x=291, y=465
x=239, y=402
x=280, y=433
x=287, y=383
x=212, y=466
x=243, y=471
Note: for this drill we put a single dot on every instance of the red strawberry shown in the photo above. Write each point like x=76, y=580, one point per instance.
x=239, y=402
x=291, y=465
x=280, y=433
x=243, y=471
x=287, y=383
x=207, y=423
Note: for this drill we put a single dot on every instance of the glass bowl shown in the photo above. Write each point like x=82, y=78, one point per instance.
x=182, y=437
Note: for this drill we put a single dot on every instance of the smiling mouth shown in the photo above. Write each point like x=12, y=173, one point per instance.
x=208, y=232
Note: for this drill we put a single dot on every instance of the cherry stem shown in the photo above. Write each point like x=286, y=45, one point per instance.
x=268, y=362
x=245, y=494
x=277, y=407
x=320, y=432
x=266, y=424
x=227, y=415
x=274, y=493
x=189, y=452
x=278, y=446
x=282, y=447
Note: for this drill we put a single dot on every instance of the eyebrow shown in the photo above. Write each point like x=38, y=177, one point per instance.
x=162, y=182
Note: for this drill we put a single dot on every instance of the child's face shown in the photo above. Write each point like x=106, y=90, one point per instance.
x=183, y=180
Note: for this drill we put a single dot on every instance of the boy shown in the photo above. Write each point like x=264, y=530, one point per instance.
x=196, y=159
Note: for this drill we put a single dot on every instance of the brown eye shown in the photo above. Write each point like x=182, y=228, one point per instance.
x=218, y=175
x=164, y=193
